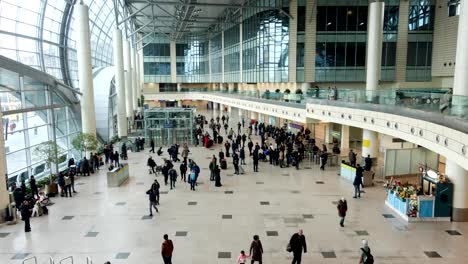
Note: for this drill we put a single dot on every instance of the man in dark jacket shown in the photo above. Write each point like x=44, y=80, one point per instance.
x=358, y=181
x=367, y=163
x=26, y=215
x=33, y=186
x=342, y=209
x=152, y=199
x=297, y=243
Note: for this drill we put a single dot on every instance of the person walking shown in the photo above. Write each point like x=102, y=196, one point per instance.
x=358, y=181
x=342, y=208
x=33, y=186
x=167, y=248
x=323, y=160
x=256, y=250
x=242, y=259
x=192, y=180
x=255, y=161
x=152, y=164
x=365, y=252
x=26, y=215
x=152, y=200
x=250, y=146
x=183, y=170
x=185, y=152
x=152, y=145
x=173, y=177
x=217, y=173
x=155, y=187
x=297, y=243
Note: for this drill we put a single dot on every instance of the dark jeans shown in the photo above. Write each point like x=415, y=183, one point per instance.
x=357, y=190
x=236, y=169
x=27, y=225
x=167, y=260
x=152, y=205
x=192, y=185
x=183, y=176
x=342, y=221
x=172, y=184
x=256, y=166
x=297, y=258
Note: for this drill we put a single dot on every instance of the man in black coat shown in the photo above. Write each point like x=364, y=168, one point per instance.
x=26, y=215
x=358, y=181
x=297, y=243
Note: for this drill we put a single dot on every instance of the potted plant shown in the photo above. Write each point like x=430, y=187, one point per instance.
x=49, y=150
x=85, y=142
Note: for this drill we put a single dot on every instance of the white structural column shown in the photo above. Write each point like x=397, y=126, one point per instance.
x=85, y=74
x=4, y=194
x=128, y=80
x=122, y=125
x=231, y=87
x=327, y=133
x=134, y=79
x=402, y=42
x=373, y=66
x=241, y=58
x=310, y=41
x=370, y=143
x=209, y=60
x=374, y=43
x=141, y=76
x=222, y=56
x=172, y=47
x=344, y=137
x=292, y=40
x=457, y=174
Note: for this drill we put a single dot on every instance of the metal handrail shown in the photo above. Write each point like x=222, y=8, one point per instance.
x=88, y=260
x=33, y=257
x=69, y=257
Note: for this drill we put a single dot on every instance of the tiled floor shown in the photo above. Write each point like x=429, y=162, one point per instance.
x=208, y=226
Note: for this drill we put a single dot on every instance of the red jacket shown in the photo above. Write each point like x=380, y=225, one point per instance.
x=167, y=248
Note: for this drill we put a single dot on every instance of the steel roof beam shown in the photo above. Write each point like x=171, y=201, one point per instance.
x=132, y=15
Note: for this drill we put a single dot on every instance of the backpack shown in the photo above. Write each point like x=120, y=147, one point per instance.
x=369, y=257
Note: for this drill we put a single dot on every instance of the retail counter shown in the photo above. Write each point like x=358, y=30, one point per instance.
x=425, y=208
x=349, y=173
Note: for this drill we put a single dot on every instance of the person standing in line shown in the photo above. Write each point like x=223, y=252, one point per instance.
x=297, y=243
x=33, y=186
x=235, y=162
x=358, y=181
x=183, y=170
x=242, y=156
x=365, y=254
x=255, y=161
x=342, y=208
x=152, y=145
x=167, y=248
x=26, y=215
x=256, y=250
x=152, y=200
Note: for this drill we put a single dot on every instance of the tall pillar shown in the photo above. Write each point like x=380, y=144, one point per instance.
x=128, y=80
x=85, y=74
x=240, y=113
x=241, y=45
x=327, y=133
x=459, y=177
x=179, y=103
x=229, y=109
x=209, y=60
x=254, y=115
x=373, y=68
x=122, y=125
x=370, y=144
x=134, y=79
x=231, y=87
x=4, y=195
x=344, y=137
x=310, y=41
x=402, y=42
x=222, y=56
x=460, y=81
x=292, y=40
x=374, y=43
x=179, y=87
x=172, y=52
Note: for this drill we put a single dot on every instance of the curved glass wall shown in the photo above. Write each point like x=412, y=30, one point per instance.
x=35, y=109
x=41, y=34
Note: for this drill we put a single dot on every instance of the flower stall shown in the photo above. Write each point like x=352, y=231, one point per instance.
x=429, y=202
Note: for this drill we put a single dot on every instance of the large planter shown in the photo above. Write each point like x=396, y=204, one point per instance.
x=51, y=189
